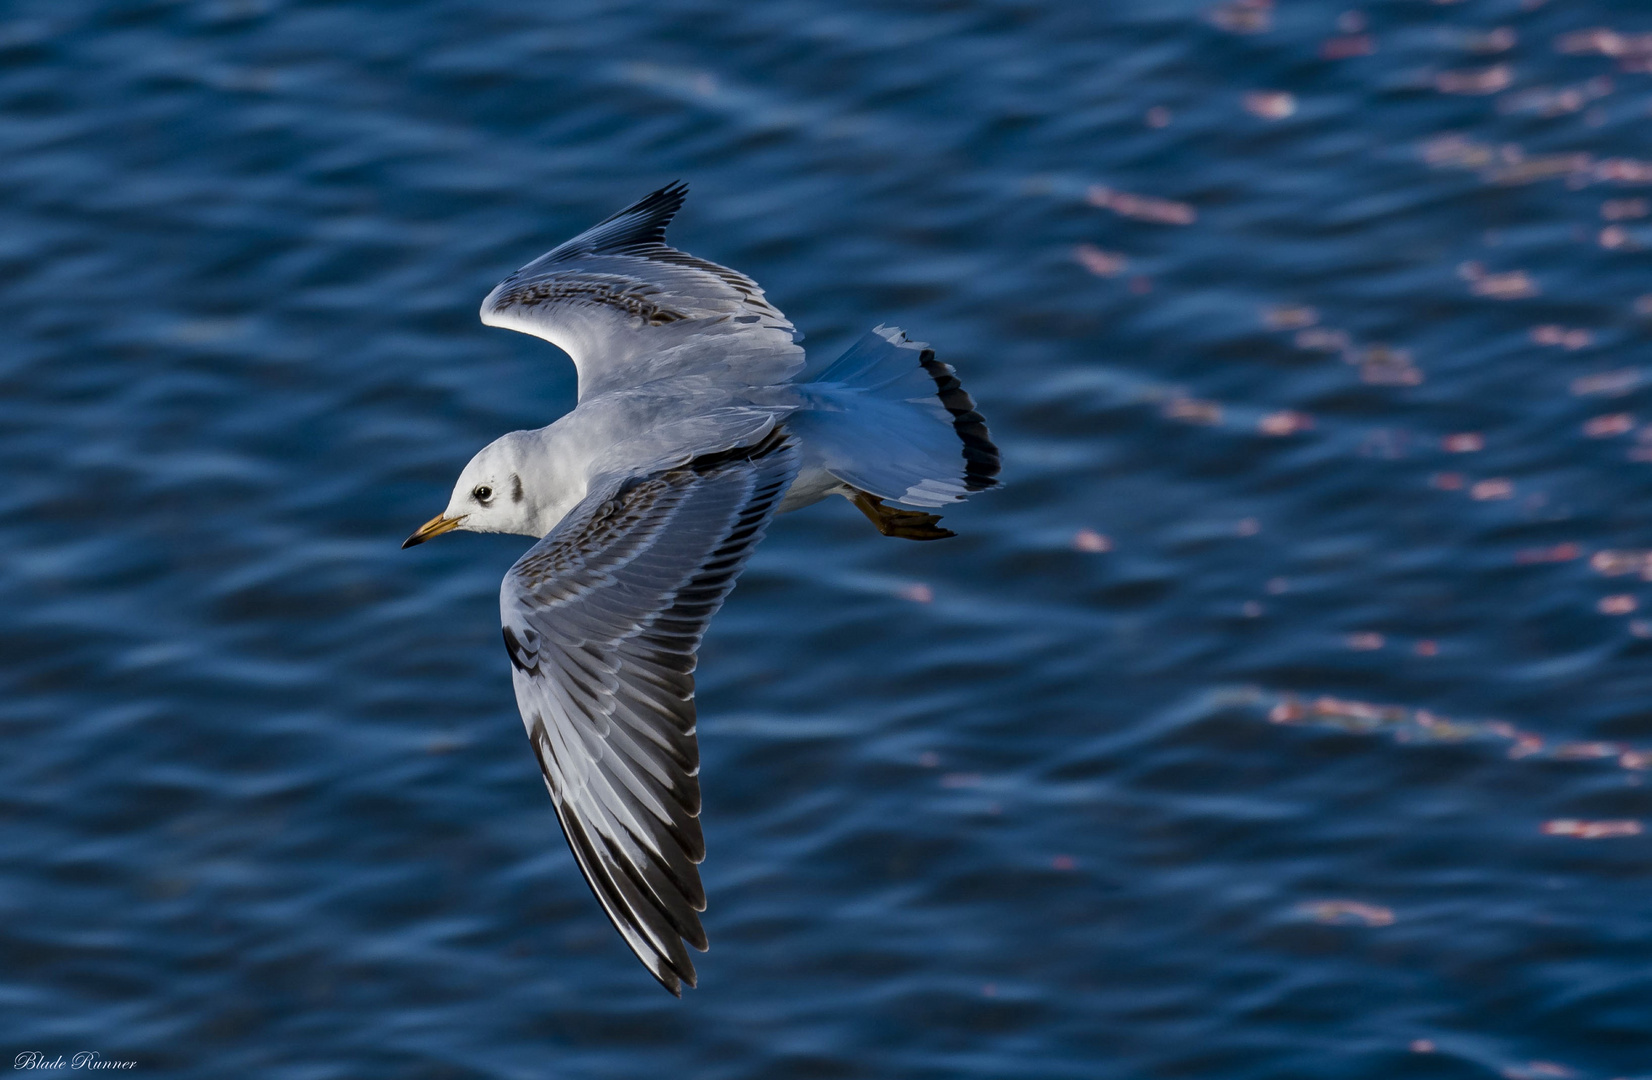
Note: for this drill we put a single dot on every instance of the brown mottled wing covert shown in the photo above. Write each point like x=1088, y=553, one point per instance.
x=602, y=619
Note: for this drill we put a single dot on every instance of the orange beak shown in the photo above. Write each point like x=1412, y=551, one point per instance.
x=433, y=528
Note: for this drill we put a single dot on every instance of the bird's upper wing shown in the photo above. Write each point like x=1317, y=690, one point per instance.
x=630, y=309
x=602, y=620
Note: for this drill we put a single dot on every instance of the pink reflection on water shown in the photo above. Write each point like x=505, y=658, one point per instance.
x=1488, y=490
x=1550, y=101
x=1624, y=171
x=1422, y=726
x=1516, y=168
x=1347, y=913
x=1347, y=46
x=1319, y=339
x=1141, y=207
x=1193, y=411
x=1457, y=151
x=1091, y=541
x=1538, y=1070
x=1612, y=424
x=1380, y=365
x=1510, y=285
x=1242, y=16
x=1624, y=209
x=1283, y=423
x=1591, y=830
x=1289, y=317
x=1614, y=237
x=1607, y=384
x=1565, y=552
x=1586, y=751
x=1620, y=561
x=1603, y=41
x=1270, y=104
x=1552, y=334
x=1500, y=39
x=1487, y=80
x=1098, y=262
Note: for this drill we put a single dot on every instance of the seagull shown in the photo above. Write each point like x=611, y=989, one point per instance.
x=695, y=425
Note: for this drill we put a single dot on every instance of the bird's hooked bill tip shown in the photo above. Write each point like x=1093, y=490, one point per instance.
x=435, y=527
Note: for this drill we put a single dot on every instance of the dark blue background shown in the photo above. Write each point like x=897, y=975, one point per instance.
x=998, y=807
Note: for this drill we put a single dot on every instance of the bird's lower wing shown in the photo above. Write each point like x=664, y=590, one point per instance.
x=602, y=619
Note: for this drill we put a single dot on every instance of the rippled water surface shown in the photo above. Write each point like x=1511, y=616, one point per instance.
x=1286, y=715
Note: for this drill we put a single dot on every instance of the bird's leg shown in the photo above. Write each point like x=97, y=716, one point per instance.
x=893, y=521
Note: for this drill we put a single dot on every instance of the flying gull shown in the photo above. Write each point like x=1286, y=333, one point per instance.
x=694, y=427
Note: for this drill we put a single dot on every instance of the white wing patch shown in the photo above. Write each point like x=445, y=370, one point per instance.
x=629, y=309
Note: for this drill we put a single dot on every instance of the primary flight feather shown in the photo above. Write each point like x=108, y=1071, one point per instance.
x=691, y=433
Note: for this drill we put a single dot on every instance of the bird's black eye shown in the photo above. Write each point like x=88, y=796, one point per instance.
x=482, y=493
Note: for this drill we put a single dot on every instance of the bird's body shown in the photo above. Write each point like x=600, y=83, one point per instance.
x=692, y=430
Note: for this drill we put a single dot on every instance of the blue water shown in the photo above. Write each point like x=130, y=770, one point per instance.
x=1202, y=752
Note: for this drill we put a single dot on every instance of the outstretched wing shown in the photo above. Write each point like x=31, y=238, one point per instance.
x=602, y=620
x=629, y=309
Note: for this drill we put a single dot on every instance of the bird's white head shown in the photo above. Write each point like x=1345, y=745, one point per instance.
x=500, y=491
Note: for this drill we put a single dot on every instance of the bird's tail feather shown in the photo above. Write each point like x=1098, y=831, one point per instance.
x=893, y=422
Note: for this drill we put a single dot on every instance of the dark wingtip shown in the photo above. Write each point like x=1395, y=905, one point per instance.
x=639, y=229
x=642, y=223
x=981, y=458
x=666, y=201
x=671, y=977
